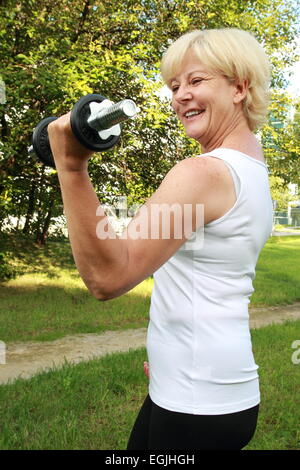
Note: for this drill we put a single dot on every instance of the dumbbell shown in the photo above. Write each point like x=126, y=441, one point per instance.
x=95, y=121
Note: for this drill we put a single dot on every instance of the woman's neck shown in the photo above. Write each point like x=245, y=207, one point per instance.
x=242, y=139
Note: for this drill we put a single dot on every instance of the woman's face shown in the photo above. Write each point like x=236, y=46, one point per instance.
x=207, y=104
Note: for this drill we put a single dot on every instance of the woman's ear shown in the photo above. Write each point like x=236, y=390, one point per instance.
x=241, y=89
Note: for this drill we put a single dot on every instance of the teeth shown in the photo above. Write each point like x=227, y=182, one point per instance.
x=192, y=113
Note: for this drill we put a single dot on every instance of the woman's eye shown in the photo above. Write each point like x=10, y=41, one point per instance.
x=195, y=81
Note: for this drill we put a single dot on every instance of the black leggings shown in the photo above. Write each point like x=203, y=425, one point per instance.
x=160, y=429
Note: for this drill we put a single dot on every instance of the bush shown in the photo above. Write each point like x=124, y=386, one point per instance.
x=7, y=271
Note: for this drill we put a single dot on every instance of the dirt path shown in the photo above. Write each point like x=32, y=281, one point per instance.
x=26, y=359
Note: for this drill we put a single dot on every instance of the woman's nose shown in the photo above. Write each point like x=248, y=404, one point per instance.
x=183, y=94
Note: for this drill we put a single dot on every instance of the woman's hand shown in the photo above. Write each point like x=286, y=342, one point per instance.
x=146, y=369
x=68, y=153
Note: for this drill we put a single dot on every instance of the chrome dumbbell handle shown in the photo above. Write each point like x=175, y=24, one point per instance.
x=106, y=115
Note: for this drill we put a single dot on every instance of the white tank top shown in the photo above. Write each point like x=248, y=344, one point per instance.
x=198, y=342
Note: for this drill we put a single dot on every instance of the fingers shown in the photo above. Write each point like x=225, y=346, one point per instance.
x=146, y=369
x=69, y=154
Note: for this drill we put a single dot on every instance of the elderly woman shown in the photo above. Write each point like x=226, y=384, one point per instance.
x=204, y=386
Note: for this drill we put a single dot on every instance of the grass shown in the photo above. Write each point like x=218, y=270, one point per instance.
x=36, y=308
x=277, y=272
x=87, y=406
x=93, y=405
x=287, y=228
x=49, y=300
x=278, y=425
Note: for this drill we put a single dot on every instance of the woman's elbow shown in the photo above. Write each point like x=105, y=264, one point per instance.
x=103, y=297
x=107, y=291
x=101, y=294
x=98, y=290
x=110, y=289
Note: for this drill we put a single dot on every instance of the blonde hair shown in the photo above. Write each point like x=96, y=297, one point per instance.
x=233, y=53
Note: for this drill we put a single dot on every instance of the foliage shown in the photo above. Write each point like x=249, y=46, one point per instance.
x=281, y=193
x=7, y=271
x=54, y=52
x=281, y=138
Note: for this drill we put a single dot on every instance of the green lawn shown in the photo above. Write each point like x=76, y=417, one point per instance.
x=93, y=405
x=277, y=272
x=50, y=301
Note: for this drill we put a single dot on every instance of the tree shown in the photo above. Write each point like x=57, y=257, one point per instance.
x=53, y=52
x=281, y=193
x=281, y=139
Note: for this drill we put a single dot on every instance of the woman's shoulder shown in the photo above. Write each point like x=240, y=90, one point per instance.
x=206, y=160
x=207, y=174
x=205, y=163
x=210, y=183
x=202, y=177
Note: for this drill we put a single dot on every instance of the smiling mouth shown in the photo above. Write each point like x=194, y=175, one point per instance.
x=193, y=114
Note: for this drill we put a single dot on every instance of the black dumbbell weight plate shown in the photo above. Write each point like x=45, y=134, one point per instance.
x=40, y=142
x=86, y=135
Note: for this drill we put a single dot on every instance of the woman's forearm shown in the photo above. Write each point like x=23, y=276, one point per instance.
x=98, y=260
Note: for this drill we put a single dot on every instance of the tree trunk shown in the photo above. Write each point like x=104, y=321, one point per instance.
x=41, y=235
x=30, y=210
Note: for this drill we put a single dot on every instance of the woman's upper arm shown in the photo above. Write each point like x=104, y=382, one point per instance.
x=188, y=197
